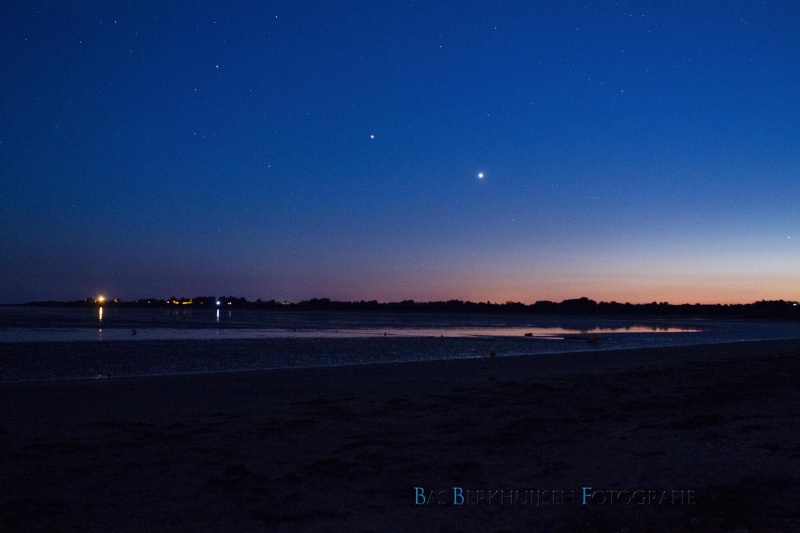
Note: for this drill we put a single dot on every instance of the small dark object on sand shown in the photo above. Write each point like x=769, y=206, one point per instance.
x=529, y=334
x=133, y=331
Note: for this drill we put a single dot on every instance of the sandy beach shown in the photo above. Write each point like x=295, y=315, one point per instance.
x=688, y=438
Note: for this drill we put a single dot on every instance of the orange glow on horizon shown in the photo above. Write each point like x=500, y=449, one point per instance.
x=675, y=290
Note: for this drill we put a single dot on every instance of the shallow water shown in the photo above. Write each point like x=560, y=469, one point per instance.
x=36, y=334
x=56, y=343
x=54, y=318
x=52, y=324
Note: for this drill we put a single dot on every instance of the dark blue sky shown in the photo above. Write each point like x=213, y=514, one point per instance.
x=631, y=151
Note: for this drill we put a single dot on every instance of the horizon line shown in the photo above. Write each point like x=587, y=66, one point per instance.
x=178, y=300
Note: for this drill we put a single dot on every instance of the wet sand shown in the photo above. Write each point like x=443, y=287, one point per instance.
x=695, y=438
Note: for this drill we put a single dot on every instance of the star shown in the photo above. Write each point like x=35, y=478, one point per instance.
x=480, y=175
x=371, y=136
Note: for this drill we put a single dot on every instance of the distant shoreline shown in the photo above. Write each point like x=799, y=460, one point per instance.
x=773, y=310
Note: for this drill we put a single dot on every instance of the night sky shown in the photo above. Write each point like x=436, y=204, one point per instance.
x=627, y=151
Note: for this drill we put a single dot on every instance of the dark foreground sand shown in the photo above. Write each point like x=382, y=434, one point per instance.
x=343, y=449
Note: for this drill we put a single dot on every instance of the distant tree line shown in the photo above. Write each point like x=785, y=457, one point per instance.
x=774, y=309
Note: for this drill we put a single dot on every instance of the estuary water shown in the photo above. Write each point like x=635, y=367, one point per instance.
x=41, y=343
x=54, y=324
x=42, y=324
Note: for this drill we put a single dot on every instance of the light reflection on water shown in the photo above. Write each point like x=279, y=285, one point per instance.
x=288, y=340
x=140, y=334
x=48, y=324
x=51, y=318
